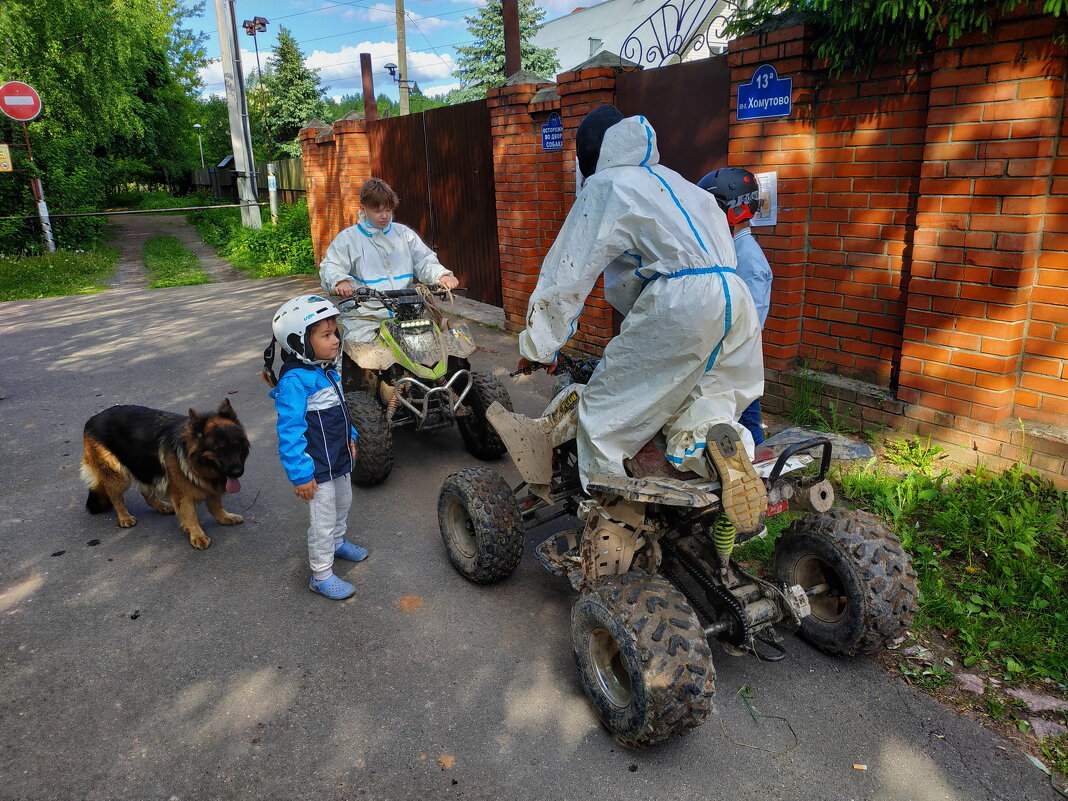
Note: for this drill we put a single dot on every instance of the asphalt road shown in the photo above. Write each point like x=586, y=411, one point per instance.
x=135, y=667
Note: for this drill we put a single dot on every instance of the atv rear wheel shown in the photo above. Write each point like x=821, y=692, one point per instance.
x=643, y=658
x=480, y=524
x=862, y=586
x=480, y=437
x=374, y=445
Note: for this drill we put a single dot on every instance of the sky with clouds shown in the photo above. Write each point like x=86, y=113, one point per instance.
x=333, y=33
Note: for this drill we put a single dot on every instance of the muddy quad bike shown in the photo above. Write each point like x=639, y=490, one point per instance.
x=652, y=562
x=415, y=374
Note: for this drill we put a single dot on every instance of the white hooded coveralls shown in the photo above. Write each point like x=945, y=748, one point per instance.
x=688, y=354
x=379, y=258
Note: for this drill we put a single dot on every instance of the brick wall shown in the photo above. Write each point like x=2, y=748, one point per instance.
x=921, y=248
x=920, y=259
x=535, y=188
x=337, y=160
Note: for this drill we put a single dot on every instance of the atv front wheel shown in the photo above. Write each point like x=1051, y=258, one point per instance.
x=480, y=437
x=861, y=585
x=643, y=658
x=374, y=445
x=480, y=524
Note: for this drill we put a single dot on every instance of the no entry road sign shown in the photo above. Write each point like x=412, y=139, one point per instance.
x=19, y=101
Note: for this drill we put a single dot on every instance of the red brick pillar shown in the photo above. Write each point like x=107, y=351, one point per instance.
x=337, y=160
x=995, y=111
x=785, y=146
x=518, y=162
x=536, y=188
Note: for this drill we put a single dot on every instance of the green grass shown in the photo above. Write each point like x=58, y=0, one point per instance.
x=274, y=250
x=916, y=454
x=759, y=551
x=991, y=553
x=807, y=387
x=169, y=264
x=55, y=274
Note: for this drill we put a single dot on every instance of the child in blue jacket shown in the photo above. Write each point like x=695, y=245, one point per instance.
x=736, y=191
x=316, y=440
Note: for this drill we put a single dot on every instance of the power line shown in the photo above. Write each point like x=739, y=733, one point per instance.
x=379, y=27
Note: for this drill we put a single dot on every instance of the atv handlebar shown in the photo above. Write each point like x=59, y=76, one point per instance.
x=578, y=369
x=390, y=297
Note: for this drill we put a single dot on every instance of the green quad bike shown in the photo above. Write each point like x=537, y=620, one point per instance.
x=416, y=375
x=651, y=560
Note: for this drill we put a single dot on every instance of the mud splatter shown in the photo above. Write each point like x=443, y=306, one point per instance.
x=410, y=603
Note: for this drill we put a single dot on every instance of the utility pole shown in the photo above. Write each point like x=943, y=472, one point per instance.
x=240, y=134
x=510, y=18
x=402, y=57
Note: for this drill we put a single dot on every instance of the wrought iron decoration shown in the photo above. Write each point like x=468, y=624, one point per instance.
x=676, y=27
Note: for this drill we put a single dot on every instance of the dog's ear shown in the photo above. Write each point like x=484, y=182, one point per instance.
x=227, y=411
x=196, y=422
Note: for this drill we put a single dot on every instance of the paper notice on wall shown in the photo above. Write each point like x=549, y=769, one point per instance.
x=768, y=211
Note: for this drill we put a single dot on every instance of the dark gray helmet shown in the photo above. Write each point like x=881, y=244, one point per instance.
x=736, y=191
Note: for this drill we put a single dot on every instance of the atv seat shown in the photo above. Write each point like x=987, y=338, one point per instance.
x=651, y=461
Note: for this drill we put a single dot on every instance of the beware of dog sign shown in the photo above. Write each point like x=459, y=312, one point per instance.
x=5, y=158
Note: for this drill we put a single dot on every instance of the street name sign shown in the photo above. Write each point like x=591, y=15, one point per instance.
x=766, y=96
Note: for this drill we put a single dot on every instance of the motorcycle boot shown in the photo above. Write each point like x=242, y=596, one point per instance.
x=742, y=491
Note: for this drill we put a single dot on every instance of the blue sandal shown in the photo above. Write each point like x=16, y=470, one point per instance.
x=353, y=553
x=332, y=587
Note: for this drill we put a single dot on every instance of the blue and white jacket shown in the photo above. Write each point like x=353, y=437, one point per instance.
x=313, y=424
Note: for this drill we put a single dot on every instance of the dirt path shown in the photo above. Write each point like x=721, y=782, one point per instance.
x=133, y=230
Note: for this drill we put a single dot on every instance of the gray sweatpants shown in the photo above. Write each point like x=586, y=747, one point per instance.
x=329, y=511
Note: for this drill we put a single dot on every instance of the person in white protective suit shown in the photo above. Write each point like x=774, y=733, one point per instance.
x=377, y=253
x=688, y=355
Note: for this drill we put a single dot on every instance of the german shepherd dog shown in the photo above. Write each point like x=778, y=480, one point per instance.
x=168, y=456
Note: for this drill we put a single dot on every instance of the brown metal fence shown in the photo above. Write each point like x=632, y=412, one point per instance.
x=689, y=106
x=440, y=162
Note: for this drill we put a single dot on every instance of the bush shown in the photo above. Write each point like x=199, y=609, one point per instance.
x=216, y=226
x=274, y=250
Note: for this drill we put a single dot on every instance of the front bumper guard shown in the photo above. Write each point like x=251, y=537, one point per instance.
x=427, y=401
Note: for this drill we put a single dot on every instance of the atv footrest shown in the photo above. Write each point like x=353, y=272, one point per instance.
x=559, y=552
x=653, y=489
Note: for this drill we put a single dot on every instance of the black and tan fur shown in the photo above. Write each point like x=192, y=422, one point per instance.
x=173, y=459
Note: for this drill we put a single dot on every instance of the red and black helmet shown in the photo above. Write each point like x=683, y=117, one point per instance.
x=736, y=191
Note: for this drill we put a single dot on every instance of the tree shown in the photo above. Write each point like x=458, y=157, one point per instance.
x=294, y=94
x=336, y=109
x=850, y=36
x=116, y=80
x=481, y=65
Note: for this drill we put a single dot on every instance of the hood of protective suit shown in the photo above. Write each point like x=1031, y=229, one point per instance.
x=631, y=142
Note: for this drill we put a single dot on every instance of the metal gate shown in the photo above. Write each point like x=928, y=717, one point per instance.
x=689, y=107
x=440, y=162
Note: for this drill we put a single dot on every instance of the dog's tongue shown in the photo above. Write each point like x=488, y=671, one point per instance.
x=233, y=485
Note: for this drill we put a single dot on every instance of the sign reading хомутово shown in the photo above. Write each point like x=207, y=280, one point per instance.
x=552, y=133
x=767, y=95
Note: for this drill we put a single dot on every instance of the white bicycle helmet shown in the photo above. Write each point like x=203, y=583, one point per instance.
x=291, y=322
